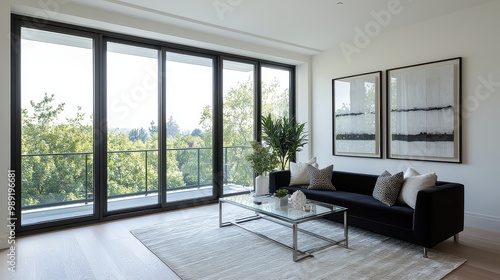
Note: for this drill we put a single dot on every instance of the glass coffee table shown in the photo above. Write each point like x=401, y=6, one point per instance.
x=265, y=208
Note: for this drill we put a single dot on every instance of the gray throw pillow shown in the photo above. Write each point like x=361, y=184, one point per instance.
x=387, y=187
x=320, y=179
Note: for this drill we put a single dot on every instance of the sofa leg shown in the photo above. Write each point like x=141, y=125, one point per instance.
x=425, y=252
x=456, y=238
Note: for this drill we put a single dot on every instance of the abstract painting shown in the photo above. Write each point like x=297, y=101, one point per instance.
x=356, y=115
x=423, y=115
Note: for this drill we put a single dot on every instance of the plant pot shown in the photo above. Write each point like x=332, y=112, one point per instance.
x=281, y=201
x=261, y=185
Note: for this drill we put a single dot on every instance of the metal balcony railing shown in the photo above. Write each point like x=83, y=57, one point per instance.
x=148, y=189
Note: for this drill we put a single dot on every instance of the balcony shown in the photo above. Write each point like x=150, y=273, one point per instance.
x=197, y=183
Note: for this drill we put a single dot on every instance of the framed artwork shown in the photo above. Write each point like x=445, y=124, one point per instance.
x=424, y=109
x=356, y=115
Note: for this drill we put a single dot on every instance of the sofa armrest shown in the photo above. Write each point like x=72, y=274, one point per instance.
x=278, y=179
x=439, y=214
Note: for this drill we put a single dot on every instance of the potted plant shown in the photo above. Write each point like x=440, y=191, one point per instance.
x=262, y=161
x=285, y=136
x=282, y=196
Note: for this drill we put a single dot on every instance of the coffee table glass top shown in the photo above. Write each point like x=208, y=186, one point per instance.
x=268, y=207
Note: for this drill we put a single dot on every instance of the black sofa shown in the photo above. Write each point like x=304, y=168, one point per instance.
x=438, y=213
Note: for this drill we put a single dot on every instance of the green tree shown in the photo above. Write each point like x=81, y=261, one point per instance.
x=197, y=132
x=57, y=162
x=193, y=159
x=275, y=102
x=238, y=125
x=153, y=129
x=172, y=127
x=55, y=153
x=138, y=134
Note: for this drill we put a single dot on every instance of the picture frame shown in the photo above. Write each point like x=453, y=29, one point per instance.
x=424, y=111
x=356, y=115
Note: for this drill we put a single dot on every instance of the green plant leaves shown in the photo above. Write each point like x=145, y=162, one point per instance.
x=285, y=136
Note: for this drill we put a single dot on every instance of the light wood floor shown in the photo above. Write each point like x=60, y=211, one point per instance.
x=109, y=251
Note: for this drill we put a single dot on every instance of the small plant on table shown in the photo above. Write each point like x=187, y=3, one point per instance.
x=282, y=199
x=281, y=193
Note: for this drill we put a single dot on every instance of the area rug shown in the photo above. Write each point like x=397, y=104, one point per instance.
x=196, y=248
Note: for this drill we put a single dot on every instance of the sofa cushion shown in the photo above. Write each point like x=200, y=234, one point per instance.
x=320, y=179
x=387, y=187
x=298, y=172
x=363, y=206
x=354, y=182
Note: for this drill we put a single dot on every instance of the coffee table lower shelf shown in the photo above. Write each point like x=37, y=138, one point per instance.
x=297, y=254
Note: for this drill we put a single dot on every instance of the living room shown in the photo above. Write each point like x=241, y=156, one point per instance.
x=464, y=29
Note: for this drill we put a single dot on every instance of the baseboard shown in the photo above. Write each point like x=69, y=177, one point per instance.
x=481, y=239
x=481, y=231
x=481, y=221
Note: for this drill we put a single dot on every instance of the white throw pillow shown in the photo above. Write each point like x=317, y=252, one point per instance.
x=298, y=172
x=408, y=173
x=413, y=183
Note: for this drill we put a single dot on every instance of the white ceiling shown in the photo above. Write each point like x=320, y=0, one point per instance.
x=304, y=26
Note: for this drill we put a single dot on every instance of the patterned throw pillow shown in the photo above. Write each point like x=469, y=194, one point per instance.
x=387, y=187
x=320, y=179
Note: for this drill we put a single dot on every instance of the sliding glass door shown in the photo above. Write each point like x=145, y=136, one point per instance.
x=132, y=118
x=238, y=115
x=107, y=125
x=189, y=126
x=57, y=97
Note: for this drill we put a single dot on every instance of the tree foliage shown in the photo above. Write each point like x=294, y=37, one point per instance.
x=57, y=154
x=172, y=127
x=58, y=166
x=138, y=135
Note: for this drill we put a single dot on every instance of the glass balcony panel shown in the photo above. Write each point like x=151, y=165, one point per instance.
x=56, y=125
x=189, y=128
x=238, y=125
x=132, y=117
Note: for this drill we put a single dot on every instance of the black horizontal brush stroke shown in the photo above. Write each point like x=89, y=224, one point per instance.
x=424, y=137
x=423, y=109
x=352, y=114
x=353, y=136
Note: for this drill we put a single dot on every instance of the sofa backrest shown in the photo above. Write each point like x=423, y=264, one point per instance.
x=354, y=182
x=343, y=181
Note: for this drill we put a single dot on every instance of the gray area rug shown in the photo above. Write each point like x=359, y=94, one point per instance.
x=196, y=248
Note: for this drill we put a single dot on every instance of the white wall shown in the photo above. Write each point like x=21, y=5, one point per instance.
x=472, y=34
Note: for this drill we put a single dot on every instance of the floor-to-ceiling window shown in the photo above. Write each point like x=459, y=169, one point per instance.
x=107, y=124
x=132, y=118
x=238, y=111
x=189, y=126
x=276, y=87
x=56, y=96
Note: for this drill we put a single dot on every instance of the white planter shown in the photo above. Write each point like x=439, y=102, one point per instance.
x=261, y=185
x=281, y=201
